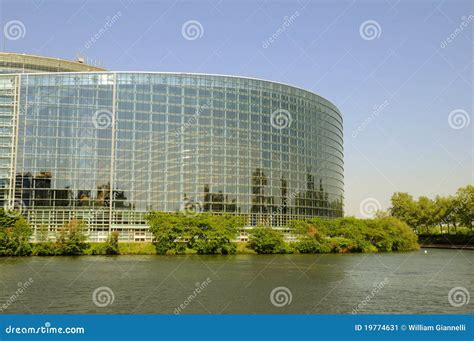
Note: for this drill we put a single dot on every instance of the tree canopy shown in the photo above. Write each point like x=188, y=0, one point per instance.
x=427, y=215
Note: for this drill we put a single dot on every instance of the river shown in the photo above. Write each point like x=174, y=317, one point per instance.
x=411, y=282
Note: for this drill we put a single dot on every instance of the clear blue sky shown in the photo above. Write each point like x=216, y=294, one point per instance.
x=406, y=69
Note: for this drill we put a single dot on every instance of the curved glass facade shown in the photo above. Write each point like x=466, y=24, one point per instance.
x=107, y=147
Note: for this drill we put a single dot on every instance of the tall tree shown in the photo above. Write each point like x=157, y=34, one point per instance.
x=464, y=206
x=404, y=208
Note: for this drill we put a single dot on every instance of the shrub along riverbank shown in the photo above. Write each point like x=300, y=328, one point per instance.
x=177, y=233
x=342, y=235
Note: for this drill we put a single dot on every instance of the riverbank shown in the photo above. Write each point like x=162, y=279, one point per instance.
x=176, y=233
x=447, y=241
x=447, y=246
x=146, y=248
x=42, y=249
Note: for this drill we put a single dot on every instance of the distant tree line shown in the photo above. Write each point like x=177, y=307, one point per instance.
x=443, y=214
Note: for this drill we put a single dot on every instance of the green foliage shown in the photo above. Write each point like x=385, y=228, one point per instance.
x=464, y=206
x=350, y=234
x=446, y=239
x=242, y=248
x=443, y=214
x=134, y=248
x=71, y=240
x=205, y=233
x=112, y=245
x=15, y=233
x=405, y=208
x=96, y=249
x=308, y=244
x=45, y=249
x=42, y=233
x=264, y=240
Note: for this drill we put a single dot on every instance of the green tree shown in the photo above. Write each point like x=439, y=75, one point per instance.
x=350, y=234
x=264, y=240
x=15, y=234
x=398, y=234
x=170, y=231
x=71, y=240
x=442, y=210
x=425, y=212
x=205, y=233
x=464, y=206
x=405, y=208
x=112, y=245
x=308, y=244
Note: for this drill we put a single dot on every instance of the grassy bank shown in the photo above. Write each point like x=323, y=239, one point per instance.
x=135, y=248
x=141, y=248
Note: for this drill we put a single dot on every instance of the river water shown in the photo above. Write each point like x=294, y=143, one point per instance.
x=411, y=282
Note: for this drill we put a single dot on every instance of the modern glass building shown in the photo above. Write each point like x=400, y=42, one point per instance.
x=106, y=147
